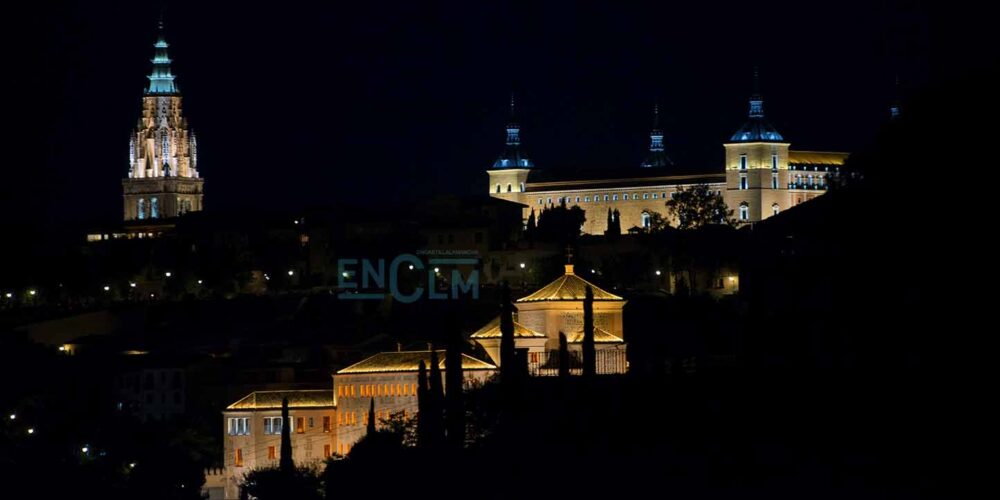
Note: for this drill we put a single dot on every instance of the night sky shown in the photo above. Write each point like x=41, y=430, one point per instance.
x=316, y=102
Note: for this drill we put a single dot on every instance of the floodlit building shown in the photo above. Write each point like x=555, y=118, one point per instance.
x=558, y=308
x=252, y=430
x=163, y=179
x=760, y=178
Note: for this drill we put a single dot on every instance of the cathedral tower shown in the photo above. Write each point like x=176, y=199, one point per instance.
x=163, y=179
x=657, y=156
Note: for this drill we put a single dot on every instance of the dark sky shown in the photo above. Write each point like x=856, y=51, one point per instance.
x=297, y=103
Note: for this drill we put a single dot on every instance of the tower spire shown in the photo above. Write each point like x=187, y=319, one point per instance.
x=756, y=100
x=161, y=80
x=512, y=156
x=656, y=157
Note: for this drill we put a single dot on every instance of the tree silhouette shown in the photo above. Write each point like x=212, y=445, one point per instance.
x=454, y=406
x=589, y=352
x=563, y=356
x=286, y=464
x=423, y=407
x=370, y=428
x=507, y=363
x=697, y=206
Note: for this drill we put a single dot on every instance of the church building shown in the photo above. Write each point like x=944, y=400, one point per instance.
x=163, y=179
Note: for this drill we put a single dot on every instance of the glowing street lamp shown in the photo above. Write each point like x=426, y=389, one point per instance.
x=131, y=285
x=199, y=282
x=168, y=274
x=107, y=288
x=411, y=267
x=522, y=265
x=291, y=272
x=437, y=270
x=32, y=292
x=658, y=272
x=31, y=430
x=85, y=449
x=12, y=416
x=9, y=295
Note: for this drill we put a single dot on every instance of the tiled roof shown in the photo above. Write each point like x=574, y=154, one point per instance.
x=569, y=286
x=492, y=331
x=270, y=400
x=601, y=336
x=409, y=361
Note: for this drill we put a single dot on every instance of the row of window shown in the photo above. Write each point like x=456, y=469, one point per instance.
x=510, y=187
x=745, y=210
x=607, y=197
x=745, y=185
x=815, y=168
x=376, y=390
x=240, y=426
x=774, y=162
x=272, y=453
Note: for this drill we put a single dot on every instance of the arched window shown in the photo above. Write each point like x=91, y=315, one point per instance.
x=578, y=199
x=775, y=209
x=498, y=188
x=810, y=179
x=605, y=197
x=154, y=208
x=654, y=196
x=635, y=196
x=645, y=220
x=539, y=201
x=522, y=187
x=645, y=196
x=744, y=211
x=140, y=208
x=614, y=198
x=510, y=188
x=586, y=199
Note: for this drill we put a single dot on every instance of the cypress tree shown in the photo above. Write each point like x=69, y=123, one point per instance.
x=454, y=408
x=563, y=356
x=286, y=464
x=371, y=419
x=589, y=352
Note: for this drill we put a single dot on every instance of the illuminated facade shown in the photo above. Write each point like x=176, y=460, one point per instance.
x=558, y=308
x=163, y=179
x=761, y=177
x=252, y=432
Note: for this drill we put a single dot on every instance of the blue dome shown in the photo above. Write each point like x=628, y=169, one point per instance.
x=756, y=129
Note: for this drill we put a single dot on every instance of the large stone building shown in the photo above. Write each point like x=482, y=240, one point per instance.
x=761, y=177
x=163, y=179
x=252, y=432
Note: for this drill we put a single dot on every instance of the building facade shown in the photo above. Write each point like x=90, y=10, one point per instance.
x=252, y=432
x=558, y=308
x=390, y=379
x=761, y=177
x=163, y=179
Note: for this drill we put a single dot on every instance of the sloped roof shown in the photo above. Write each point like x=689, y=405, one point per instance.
x=492, y=331
x=409, y=361
x=569, y=286
x=270, y=400
x=601, y=336
x=816, y=158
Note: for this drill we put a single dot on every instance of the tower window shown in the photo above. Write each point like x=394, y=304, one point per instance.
x=645, y=196
x=154, y=206
x=522, y=186
x=744, y=211
x=539, y=201
x=774, y=163
x=498, y=188
x=743, y=182
x=140, y=208
x=645, y=220
x=774, y=181
x=509, y=188
x=743, y=162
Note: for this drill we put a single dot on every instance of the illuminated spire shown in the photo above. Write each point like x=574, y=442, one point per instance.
x=756, y=129
x=756, y=100
x=512, y=156
x=657, y=157
x=161, y=81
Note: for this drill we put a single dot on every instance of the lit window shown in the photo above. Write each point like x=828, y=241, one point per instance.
x=614, y=198
x=774, y=163
x=645, y=220
x=774, y=181
x=522, y=187
x=743, y=162
x=743, y=182
x=326, y=451
x=586, y=199
x=578, y=199
x=300, y=426
x=810, y=179
x=413, y=389
x=271, y=455
x=326, y=423
x=744, y=212
x=605, y=197
x=140, y=209
x=645, y=196
x=635, y=196
x=238, y=459
x=154, y=208
x=549, y=201
x=654, y=196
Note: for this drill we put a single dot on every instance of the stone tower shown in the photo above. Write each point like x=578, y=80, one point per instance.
x=756, y=166
x=510, y=172
x=163, y=179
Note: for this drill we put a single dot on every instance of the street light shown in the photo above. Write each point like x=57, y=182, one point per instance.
x=31, y=430
x=657, y=272
x=168, y=274
x=132, y=285
x=522, y=265
x=291, y=272
x=437, y=270
x=411, y=267
x=32, y=292
x=107, y=288
x=13, y=416
x=85, y=449
x=11, y=295
x=199, y=282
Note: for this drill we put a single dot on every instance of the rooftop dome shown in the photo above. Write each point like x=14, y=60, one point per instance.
x=756, y=129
